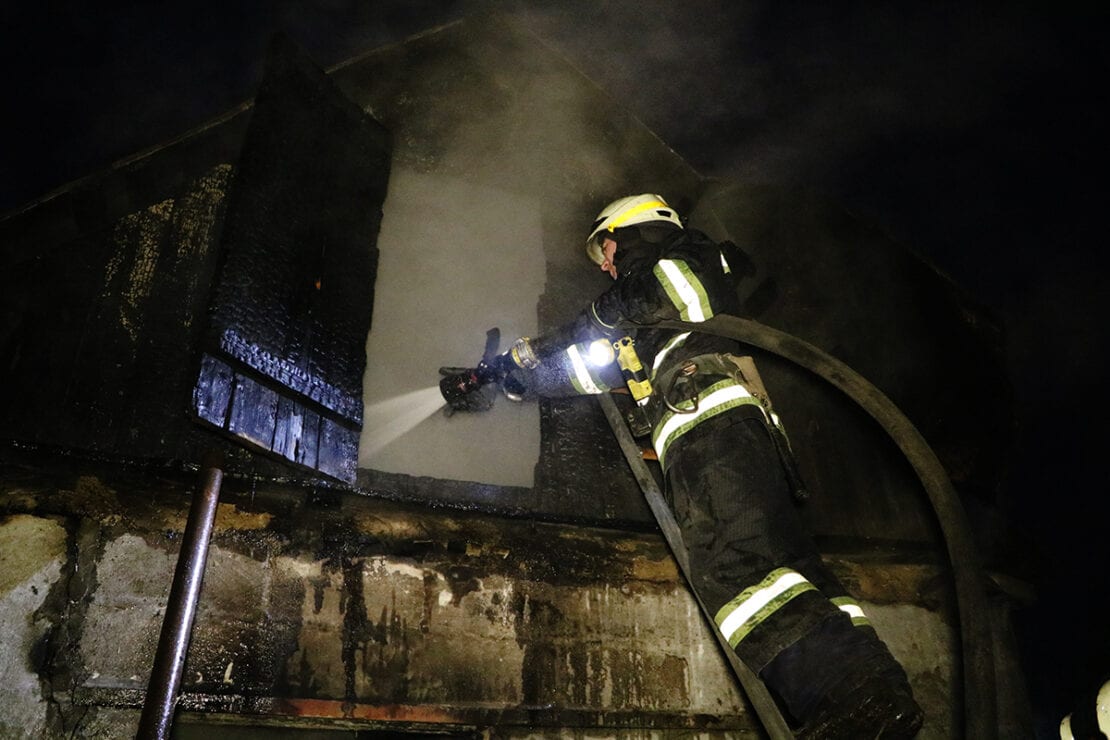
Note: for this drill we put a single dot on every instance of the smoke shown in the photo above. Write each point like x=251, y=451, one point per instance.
x=783, y=93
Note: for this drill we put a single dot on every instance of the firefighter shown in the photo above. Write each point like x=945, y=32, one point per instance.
x=1091, y=718
x=726, y=470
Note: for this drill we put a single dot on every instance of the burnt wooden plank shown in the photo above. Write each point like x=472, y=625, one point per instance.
x=337, y=454
x=292, y=303
x=253, y=414
x=296, y=434
x=212, y=393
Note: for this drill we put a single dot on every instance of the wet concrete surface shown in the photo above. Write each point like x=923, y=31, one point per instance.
x=29, y=574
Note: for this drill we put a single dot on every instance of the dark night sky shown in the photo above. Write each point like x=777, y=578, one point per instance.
x=970, y=132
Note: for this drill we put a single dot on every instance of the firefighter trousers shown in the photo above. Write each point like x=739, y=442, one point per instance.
x=755, y=567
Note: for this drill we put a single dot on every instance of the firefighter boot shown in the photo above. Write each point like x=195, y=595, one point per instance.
x=840, y=682
x=874, y=709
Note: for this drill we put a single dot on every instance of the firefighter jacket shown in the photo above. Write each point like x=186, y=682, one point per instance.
x=683, y=275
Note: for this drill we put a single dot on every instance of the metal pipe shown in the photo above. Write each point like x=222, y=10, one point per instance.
x=177, y=624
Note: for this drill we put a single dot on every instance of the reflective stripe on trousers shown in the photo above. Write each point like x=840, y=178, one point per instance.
x=714, y=400
x=755, y=604
x=851, y=607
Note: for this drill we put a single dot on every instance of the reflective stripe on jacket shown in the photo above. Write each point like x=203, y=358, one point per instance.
x=680, y=277
x=684, y=288
x=584, y=375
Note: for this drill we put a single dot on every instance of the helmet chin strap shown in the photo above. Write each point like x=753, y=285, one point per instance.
x=632, y=247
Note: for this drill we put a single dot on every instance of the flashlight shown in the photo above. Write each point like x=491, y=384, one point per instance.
x=600, y=353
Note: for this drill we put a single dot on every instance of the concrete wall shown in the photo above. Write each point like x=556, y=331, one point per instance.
x=334, y=610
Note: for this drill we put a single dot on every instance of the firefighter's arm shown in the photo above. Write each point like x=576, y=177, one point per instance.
x=570, y=361
x=578, y=357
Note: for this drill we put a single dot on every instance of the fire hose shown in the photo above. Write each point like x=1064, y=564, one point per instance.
x=980, y=705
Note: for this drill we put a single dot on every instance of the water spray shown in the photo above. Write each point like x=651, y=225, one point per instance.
x=389, y=419
x=461, y=389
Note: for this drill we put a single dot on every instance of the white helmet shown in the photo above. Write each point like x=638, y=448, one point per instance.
x=635, y=209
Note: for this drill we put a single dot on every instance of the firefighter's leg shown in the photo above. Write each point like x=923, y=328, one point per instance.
x=758, y=571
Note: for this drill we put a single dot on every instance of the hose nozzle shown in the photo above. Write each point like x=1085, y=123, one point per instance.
x=461, y=387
